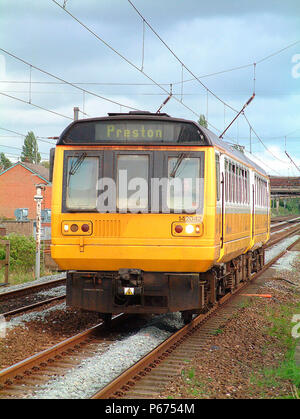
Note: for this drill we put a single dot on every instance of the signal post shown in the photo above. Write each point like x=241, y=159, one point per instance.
x=38, y=199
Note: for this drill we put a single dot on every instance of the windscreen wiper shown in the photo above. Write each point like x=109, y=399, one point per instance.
x=177, y=164
x=76, y=164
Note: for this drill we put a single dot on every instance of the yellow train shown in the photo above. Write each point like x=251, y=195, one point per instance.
x=154, y=214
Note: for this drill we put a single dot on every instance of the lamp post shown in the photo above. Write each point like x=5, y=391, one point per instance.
x=38, y=199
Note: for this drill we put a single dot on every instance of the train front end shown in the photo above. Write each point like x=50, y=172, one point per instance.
x=134, y=213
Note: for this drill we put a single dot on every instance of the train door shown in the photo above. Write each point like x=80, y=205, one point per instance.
x=220, y=197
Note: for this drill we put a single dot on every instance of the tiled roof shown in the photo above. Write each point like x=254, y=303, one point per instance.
x=37, y=168
x=284, y=181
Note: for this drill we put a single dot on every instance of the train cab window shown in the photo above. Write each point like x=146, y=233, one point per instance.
x=82, y=176
x=132, y=183
x=187, y=187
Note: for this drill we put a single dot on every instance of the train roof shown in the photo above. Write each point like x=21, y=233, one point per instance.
x=230, y=149
x=206, y=137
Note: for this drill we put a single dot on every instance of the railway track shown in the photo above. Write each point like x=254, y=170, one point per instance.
x=148, y=377
x=281, y=218
x=152, y=372
x=18, y=380
x=24, y=299
x=34, y=288
x=25, y=290
x=284, y=223
x=29, y=307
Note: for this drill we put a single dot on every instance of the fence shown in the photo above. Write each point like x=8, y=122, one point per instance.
x=5, y=262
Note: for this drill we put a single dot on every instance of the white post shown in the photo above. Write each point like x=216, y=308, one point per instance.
x=38, y=198
x=76, y=113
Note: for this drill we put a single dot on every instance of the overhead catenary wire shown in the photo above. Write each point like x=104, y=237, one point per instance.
x=36, y=106
x=18, y=148
x=167, y=83
x=65, y=81
x=224, y=105
x=260, y=140
x=124, y=58
x=39, y=138
x=292, y=161
x=177, y=58
x=243, y=66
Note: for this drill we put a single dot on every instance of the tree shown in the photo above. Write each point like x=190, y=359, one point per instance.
x=46, y=164
x=30, y=151
x=202, y=121
x=5, y=163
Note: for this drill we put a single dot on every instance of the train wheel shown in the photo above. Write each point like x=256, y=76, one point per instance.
x=187, y=316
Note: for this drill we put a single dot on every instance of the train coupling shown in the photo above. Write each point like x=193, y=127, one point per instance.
x=129, y=282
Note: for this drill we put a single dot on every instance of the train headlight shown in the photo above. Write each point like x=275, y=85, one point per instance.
x=182, y=229
x=77, y=228
x=189, y=229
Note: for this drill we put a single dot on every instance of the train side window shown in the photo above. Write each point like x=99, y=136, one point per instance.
x=239, y=199
x=132, y=182
x=247, y=187
x=233, y=183
x=260, y=196
x=230, y=182
x=218, y=176
x=226, y=182
x=237, y=184
x=242, y=186
x=256, y=191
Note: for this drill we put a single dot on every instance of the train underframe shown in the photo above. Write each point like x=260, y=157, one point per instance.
x=136, y=291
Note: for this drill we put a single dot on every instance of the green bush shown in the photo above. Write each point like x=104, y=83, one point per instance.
x=22, y=252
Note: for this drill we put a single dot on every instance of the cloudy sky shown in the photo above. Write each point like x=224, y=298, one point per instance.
x=209, y=38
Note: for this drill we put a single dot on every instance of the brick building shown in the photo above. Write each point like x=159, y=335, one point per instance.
x=17, y=188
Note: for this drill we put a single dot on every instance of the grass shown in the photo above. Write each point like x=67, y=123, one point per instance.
x=287, y=371
x=19, y=276
x=194, y=386
x=292, y=208
x=217, y=332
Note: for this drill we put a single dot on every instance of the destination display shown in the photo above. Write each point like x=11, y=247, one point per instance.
x=134, y=131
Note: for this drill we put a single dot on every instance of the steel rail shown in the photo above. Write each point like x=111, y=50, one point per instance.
x=127, y=379
x=42, y=359
x=32, y=306
x=33, y=287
